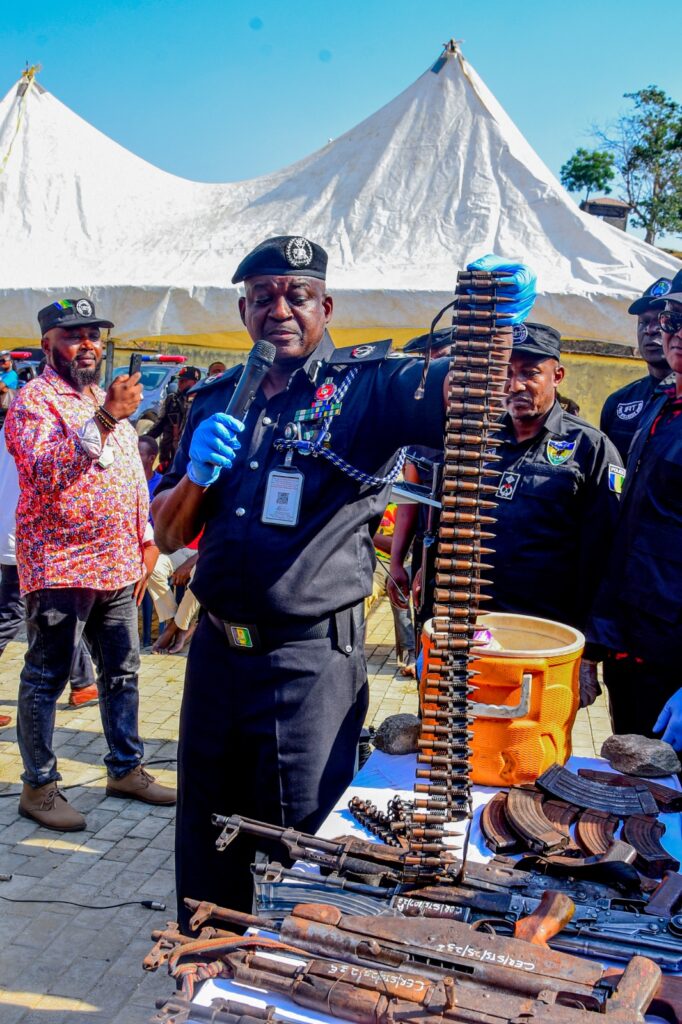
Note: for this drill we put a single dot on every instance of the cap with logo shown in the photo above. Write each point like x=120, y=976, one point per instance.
x=652, y=298
x=69, y=313
x=537, y=340
x=283, y=256
x=190, y=373
x=673, y=293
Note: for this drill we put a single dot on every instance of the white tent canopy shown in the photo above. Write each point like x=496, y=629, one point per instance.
x=438, y=176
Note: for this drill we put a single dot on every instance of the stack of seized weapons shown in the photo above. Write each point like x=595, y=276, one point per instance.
x=403, y=930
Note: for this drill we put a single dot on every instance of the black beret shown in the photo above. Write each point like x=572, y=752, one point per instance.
x=283, y=256
x=652, y=298
x=70, y=313
x=536, y=340
x=441, y=337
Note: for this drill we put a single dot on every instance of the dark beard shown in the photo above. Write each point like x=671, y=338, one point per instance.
x=83, y=378
x=69, y=371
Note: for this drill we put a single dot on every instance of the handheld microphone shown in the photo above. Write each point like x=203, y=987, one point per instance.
x=257, y=365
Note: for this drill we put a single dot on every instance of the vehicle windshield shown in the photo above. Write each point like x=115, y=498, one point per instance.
x=152, y=376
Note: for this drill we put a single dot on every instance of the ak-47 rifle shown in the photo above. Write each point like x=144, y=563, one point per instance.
x=606, y=924
x=378, y=969
x=373, y=877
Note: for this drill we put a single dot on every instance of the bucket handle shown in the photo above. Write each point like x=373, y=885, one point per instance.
x=519, y=710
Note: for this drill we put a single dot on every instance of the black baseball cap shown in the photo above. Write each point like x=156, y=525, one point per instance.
x=652, y=297
x=537, y=340
x=284, y=256
x=70, y=313
x=441, y=337
x=190, y=373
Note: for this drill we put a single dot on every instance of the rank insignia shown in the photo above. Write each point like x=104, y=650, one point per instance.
x=506, y=489
x=362, y=351
x=559, y=452
x=616, y=478
x=629, y=410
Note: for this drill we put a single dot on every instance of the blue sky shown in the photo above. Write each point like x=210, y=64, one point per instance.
x=219, y=91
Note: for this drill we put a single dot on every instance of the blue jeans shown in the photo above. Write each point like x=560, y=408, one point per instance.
x=56, y=619
x=12, y=618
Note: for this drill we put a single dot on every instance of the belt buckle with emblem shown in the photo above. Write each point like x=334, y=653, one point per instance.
x=241, y=637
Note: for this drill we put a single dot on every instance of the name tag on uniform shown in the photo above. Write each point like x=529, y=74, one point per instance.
x=283, y=497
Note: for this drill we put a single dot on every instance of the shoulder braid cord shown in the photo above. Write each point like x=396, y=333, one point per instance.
x=316, y=447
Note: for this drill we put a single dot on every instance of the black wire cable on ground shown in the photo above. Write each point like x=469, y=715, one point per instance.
x=148, y=904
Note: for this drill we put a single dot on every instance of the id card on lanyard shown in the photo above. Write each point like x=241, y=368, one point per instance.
x=283, y=493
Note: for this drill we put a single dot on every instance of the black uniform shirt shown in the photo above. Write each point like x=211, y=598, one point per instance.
x=247, y=570
x=639, y=607
x=557, y=503
x=622, y=413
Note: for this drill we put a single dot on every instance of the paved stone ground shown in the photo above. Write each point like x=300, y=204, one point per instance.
x=61, y=964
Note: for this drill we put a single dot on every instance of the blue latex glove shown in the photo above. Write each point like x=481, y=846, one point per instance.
x=214, y=447
x=669, y=722
x=518, y=285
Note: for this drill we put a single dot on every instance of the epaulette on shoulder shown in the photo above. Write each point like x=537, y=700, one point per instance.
x=228, y=377
x=369, y=352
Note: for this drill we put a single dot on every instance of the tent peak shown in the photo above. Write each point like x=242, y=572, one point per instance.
x=451, y=50
x=27, y=78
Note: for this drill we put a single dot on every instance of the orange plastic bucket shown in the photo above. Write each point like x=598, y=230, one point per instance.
x=526, y=700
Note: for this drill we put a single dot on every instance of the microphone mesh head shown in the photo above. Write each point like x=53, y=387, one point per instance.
x=264, y=351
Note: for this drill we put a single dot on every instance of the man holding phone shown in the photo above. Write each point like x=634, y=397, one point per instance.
x=82, y=536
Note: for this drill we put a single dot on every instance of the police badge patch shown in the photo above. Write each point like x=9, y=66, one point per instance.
x=616, y=478
x=629, y=410
x=559, y=452
x=84, y=308
x=506, y=489
x=519, y=333
x=299, y=252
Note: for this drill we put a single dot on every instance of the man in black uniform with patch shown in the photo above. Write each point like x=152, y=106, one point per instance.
x=557, y=494
x=172, y=420
x=623, y=410
x=638, y=613
x=276, y=686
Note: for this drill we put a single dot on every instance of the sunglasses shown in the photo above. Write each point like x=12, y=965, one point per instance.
x=670, y=323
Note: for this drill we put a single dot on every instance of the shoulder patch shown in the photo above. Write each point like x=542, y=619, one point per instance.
x=355, y=355
x=629, y=410
x=228, y=377
x=616, y=478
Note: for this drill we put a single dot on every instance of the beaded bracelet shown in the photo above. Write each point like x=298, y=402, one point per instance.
x=105, y=418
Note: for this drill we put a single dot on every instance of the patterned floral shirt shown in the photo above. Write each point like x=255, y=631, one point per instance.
x=78, y=525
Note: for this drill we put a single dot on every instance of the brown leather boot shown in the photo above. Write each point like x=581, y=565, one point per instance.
x=50, y=808
x=140, y=785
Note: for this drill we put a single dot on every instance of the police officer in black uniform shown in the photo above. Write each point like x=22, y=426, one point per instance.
x=638, y=613
x=172, y=420
x=276, y=685
x=623, y=410
x=557, y=494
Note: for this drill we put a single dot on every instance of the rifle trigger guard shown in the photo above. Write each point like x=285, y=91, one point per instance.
x=512, y=711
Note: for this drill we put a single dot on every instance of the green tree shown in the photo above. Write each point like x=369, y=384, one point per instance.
x=647, y=149
x=588, y=170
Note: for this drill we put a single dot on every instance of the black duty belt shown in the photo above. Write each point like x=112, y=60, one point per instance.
x=254, y=638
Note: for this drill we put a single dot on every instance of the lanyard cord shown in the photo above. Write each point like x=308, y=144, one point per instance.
x=316, y=447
